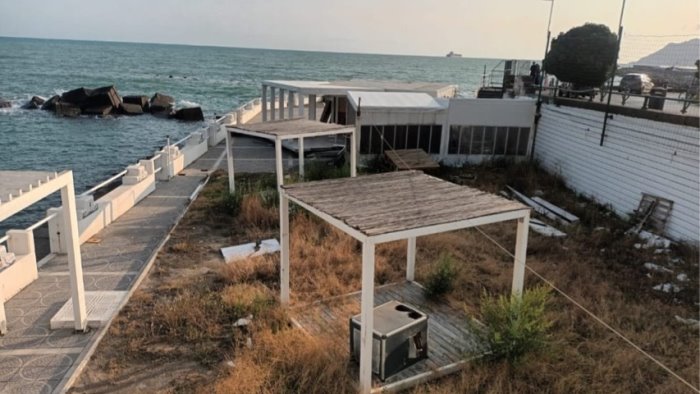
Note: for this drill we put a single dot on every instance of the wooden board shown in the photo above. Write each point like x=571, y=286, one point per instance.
x=450, y=341
x=396, y=201
x=411, y=159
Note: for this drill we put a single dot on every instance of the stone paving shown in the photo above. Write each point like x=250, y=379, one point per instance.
x=35, y=359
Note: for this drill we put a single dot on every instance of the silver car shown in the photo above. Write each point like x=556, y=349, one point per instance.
x=636, y=84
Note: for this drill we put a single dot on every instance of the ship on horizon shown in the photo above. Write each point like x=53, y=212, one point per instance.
x=453, y=54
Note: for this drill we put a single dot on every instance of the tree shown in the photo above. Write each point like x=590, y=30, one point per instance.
x=584, y=55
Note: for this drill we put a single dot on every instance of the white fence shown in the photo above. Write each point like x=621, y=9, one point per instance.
x=638, y=156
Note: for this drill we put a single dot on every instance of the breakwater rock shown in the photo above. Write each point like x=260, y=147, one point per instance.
x=106, y=101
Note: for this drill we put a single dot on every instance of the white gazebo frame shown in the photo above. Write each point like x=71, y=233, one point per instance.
x=278, y=131
x=324, y=199
x=21, y=189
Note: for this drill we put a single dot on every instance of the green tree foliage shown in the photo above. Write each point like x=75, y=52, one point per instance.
x=584, y=55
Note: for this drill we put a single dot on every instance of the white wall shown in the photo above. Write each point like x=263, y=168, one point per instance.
x=491, y=112
x=638, y=156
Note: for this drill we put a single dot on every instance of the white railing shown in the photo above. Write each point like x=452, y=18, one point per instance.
x=245, y=110
x=102, y=184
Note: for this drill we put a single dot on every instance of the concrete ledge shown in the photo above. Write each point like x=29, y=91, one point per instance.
x=101, y=307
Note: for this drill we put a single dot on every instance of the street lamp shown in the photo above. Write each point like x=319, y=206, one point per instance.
x=546, y=49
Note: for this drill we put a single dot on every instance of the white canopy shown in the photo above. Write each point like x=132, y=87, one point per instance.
x=396, y=101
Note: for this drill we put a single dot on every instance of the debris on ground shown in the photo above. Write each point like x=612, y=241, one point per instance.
x=545, y=208
x=251, y=249
x=656, y=267
x=243, y=321
x=667, y=288
x=682, y=277
x=652, y=240
x=691, y=322
x=543, y=228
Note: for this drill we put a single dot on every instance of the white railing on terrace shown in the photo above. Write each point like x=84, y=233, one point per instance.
x=232, y=116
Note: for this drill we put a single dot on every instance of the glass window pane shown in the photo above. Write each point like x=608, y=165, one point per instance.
x=501, y=137
x=512, y=145
x=435, y=138
x=489, y=136
x=400, y=140
x=389, y=137
x=364, y=140
x=424, y=138
x=453, y=143
x=412, y=140
x=524, y=140
x=465, y=139
x=376, y=140
x=477, y=140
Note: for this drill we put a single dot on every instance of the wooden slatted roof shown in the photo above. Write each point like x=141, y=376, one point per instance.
x=398, y=201
x=291, y=128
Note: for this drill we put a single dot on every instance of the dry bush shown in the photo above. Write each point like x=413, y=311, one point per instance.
x=244, y=298
x=289, y=361
x=254, y=213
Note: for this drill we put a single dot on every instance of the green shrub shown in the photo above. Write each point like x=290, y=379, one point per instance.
x=515, y=326
x=320, y=170
x=441, y=279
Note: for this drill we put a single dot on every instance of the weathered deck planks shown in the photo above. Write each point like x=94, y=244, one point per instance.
x=396, y=201
x=411, y=159
x=449, y=339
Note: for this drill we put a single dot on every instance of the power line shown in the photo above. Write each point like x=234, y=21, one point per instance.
x=593, y=315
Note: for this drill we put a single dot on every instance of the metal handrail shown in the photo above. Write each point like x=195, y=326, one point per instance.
x=105, y=183
x=183, y=139
x=4, y=239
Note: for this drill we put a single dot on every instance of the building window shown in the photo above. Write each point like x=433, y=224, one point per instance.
x=377, y=139
x=488, y=140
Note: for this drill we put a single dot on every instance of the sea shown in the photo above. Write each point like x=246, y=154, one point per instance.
x=218, y=79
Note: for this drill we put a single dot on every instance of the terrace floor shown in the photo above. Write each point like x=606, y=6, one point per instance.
x=450, y=342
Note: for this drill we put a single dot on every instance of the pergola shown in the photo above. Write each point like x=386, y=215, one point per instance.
x=19, y=190
x=278, y=131
x=394, y=206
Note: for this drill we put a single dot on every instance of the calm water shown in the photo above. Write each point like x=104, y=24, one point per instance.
x=218, y=79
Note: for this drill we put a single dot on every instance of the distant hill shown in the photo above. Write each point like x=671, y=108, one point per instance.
x=683, y=54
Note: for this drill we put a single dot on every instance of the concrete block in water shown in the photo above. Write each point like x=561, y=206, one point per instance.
x=161, y=103
x=67, y=109
x=190, y=114
x=103, y=110
x=131, y=109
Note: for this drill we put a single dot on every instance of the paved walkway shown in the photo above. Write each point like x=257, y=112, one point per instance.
x=36, y=359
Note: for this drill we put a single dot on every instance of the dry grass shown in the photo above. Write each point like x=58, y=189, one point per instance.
x=600, y=268
x=289, y=361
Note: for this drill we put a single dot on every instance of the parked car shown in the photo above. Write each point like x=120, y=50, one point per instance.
x=574, y=90
x=635, y=84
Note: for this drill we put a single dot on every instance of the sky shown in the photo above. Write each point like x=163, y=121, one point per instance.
x=487, y=28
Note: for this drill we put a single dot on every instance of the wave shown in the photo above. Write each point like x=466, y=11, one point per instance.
x=187, y=104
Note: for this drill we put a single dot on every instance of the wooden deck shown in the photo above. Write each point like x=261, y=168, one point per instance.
x=411, y=159
x=450, y=342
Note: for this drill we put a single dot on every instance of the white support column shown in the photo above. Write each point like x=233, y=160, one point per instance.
x=411, y=259
x=367, y=317
x=278, y=163
x=353, y=154
x=273, y=113
x=301, y=105
x=229, y=162
x=75, y=265
x=281, y=103
x=284, y=249
x=520, y=255
x=290, y=105
x=312, y=107
x=301, y=157
x=264, y=103
x=3, y=317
